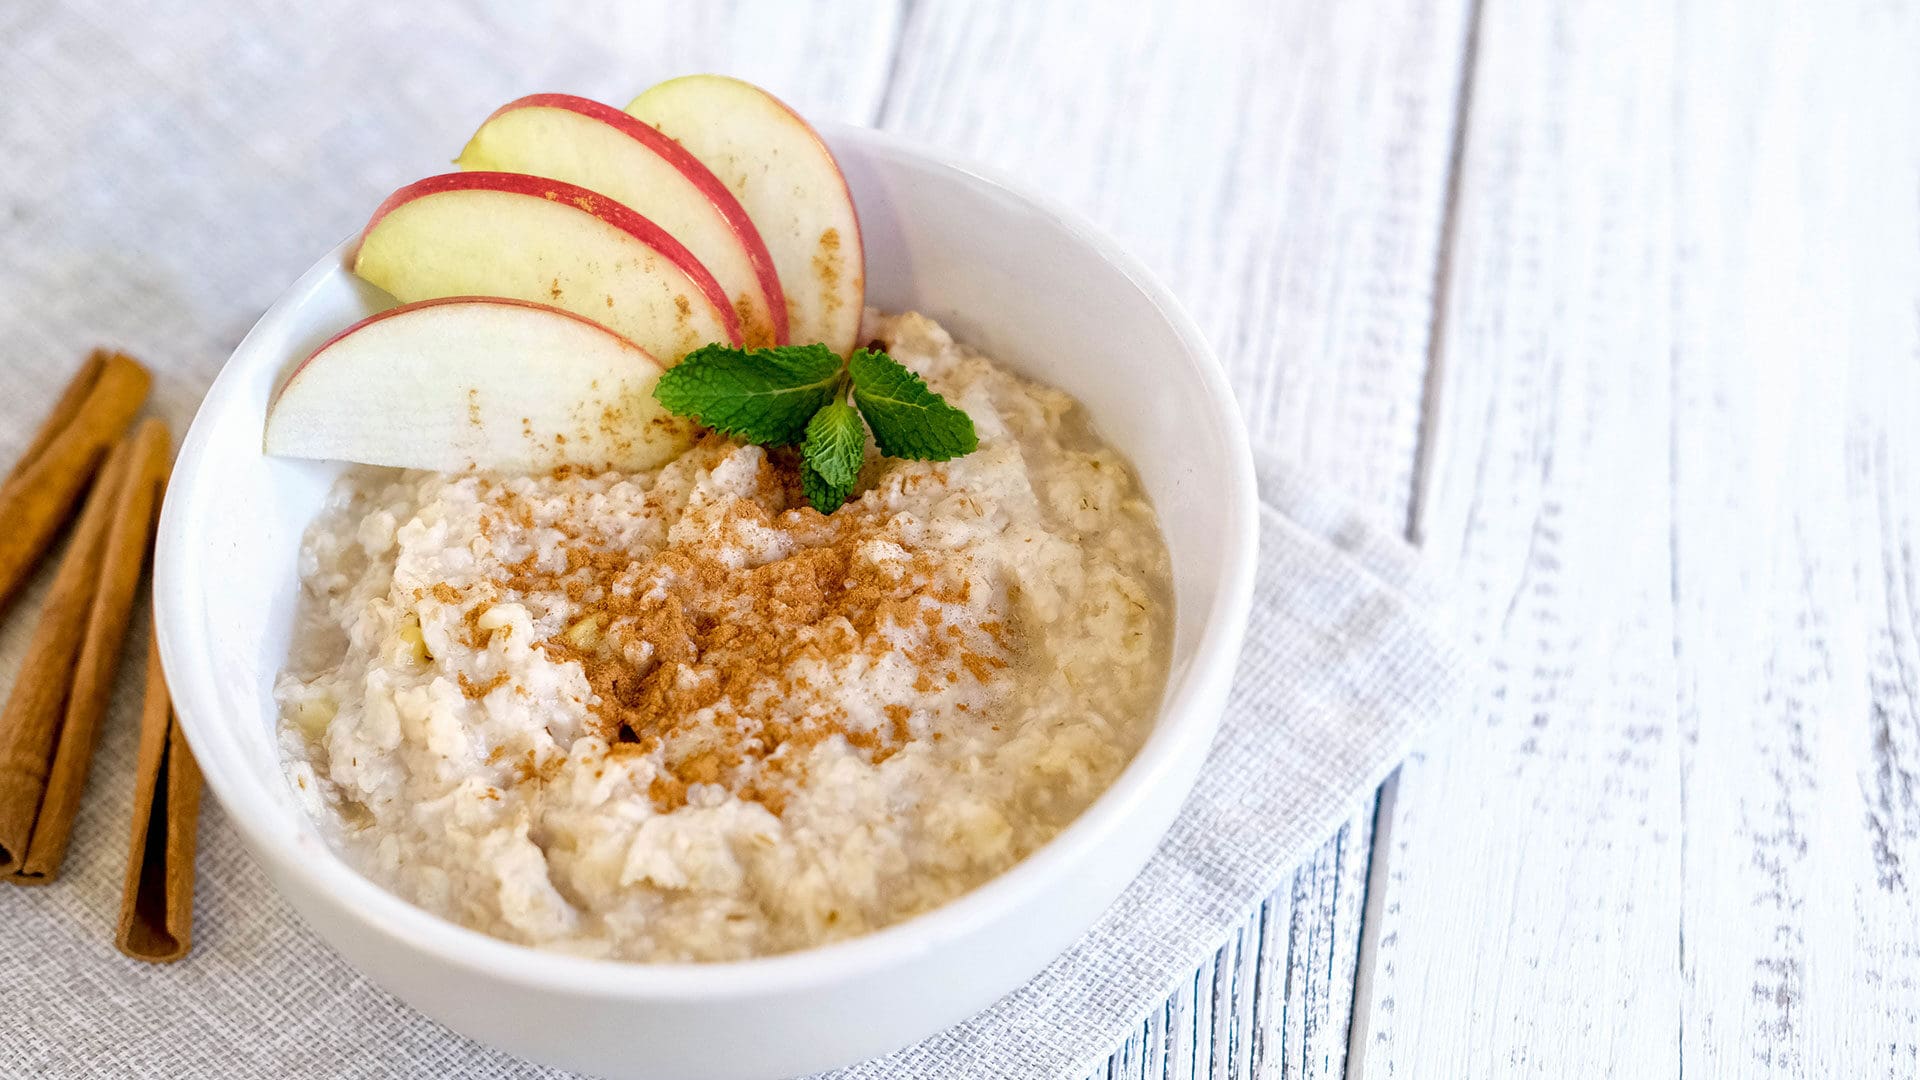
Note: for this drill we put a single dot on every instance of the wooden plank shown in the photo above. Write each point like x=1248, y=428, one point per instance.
x=1675, y=463
x=1797, y=522
x=1283, y=166
x=1531, y=908
x=1323, y=941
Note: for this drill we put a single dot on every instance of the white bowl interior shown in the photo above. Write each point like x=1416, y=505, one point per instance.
x=1025, y=283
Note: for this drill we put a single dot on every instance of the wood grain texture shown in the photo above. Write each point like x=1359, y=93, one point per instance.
x=1533, y=861
x=1287, y=179
x=1675, y=462
x=1797, y=518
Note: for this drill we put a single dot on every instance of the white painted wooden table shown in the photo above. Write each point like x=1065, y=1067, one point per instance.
x=1613, y=306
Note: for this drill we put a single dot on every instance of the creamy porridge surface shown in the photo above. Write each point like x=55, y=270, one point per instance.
x=681, y=716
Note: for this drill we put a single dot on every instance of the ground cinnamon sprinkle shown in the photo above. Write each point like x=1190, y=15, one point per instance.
x=980, y=667
x=478, y=690
x=476, y=638
x=530, y=768
x=667, y=791
x=708, y=662
x=898, y=716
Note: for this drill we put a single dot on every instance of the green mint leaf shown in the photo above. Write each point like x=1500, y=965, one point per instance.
x=765, y=396
x=821, y=495
x=908, y=419
x=836, y=443
x=792, y=394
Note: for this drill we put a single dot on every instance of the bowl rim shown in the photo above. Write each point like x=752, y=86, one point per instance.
x=1183, y=715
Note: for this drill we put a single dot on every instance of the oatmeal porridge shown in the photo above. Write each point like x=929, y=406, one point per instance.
x=680, y=715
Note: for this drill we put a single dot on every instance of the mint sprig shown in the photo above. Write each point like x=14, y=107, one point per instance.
x=763, y=396
x=908, y=419
x=830, y=456
x=792, y=394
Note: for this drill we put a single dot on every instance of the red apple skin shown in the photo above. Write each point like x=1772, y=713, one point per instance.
x=403, y=309
x=699, y=175
x=613, y=213
x=859, y=247
x=847, y=258
x=652, y=441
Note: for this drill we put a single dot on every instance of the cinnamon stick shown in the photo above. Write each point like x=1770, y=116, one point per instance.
x=40, y=492
x=125, y=552
x=156, y=906
x=30, y=723
x=63, y=412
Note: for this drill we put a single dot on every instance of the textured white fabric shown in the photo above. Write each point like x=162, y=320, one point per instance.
x=163, y=183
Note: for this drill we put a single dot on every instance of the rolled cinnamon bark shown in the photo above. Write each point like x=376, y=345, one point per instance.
x=156, y=906
x=30, y=723
x=63, y=412
x=128, y=540
x=40, y=492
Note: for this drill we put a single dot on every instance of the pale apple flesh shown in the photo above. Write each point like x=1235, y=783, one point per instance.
x=787, y=179
x=563, y=137
x=477, y=383
x=547, y=242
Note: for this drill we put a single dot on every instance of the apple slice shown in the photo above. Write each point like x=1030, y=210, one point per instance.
x=549, y=242
x=476, y=382
x=791, y=186
x=600, y=148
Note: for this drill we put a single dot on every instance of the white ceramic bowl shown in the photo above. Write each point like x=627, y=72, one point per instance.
x=1028, y=283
